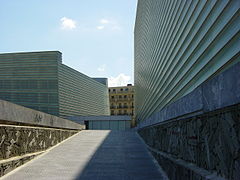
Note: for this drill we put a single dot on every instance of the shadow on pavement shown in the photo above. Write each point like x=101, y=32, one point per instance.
x=121, y=156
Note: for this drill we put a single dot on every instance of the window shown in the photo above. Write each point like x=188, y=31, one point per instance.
x=114, y=90
x=119, y=112
x=126, y=89
x=120, y=105
x=125, y=96
x=125, y=112
x=109, y=90
x=121, y=89
x=112, y=106
x=112, y=112
x=112, y=97
x=120, y=96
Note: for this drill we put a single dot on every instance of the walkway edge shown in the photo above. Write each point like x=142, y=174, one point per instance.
x=202, y=172
x=42, y=153
x=164, y=175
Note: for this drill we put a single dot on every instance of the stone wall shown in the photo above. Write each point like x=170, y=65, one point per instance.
x=19, y=144
x=209, y=142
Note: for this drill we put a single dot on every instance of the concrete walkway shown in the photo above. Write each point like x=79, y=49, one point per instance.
x=93, y=155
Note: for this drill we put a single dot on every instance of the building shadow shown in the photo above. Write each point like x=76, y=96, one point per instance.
x=122, y=155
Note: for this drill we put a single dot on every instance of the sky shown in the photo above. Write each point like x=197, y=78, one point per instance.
x=94, y=36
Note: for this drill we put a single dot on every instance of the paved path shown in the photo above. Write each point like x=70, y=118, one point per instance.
x=92, y=155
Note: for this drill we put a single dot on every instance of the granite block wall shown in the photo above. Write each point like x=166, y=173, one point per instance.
x=7, y=166
x=210, y=141
x=19, y=144
x=20, y=140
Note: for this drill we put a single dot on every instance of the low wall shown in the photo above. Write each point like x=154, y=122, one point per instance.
x=26, y=133
x=198, y=136
x=19, y=144
x=15, y=114
x=201, y=147
x=20, y=140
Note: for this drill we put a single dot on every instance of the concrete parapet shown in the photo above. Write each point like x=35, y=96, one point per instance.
x=14, y=114
x=26, y=133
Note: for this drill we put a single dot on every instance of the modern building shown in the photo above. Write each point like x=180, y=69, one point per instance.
x=104, y=122
x=180, y=45
x=187, y=86
x=121, y=100
x=40, y=81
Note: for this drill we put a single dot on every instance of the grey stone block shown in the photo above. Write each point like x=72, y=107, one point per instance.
x=10, y=112
x=223, y=90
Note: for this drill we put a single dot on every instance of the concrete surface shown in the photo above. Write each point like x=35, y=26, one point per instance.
x=96, y=155
x=11, y=112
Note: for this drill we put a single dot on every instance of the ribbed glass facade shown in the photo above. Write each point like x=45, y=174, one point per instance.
x=179, y=45
x=80, y=94
x=36, y=80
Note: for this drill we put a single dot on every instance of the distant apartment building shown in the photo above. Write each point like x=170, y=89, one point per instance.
x=40, y=81
x=121, y=100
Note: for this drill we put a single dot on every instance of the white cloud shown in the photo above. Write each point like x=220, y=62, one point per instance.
x=104, y=21
x=120, y=80
x=102, y=68
x=68, y=23
x=100, y=27
x=110, y=24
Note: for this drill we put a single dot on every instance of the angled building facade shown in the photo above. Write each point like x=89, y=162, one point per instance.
x=187, y=86
x=40, y=81
x=178, y=46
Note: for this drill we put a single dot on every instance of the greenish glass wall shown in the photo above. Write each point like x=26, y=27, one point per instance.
x=40, y=81
x=80, y=95
x=30, y=80
x=179, y=45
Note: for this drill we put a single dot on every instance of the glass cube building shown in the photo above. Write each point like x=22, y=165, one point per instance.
x=39, y=80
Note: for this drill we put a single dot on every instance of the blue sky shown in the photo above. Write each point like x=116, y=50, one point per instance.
x=94, y=36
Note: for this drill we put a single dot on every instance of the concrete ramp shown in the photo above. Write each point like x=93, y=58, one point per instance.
x=93, y=154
